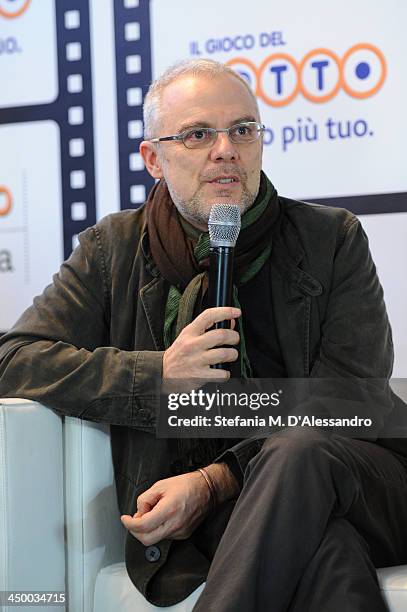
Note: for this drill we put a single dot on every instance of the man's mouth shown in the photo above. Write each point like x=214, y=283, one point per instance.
x=225, y=180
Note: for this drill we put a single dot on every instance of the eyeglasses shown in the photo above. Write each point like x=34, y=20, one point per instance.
x=202, y=137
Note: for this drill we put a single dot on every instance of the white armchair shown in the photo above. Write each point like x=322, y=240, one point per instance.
x=60, y=526
x=59, y=523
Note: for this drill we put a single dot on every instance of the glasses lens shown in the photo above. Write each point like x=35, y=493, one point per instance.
x=245, y=132
x=199, y=138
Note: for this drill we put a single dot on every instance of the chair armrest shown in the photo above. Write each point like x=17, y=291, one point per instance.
x=95, y=535
x=32, y=499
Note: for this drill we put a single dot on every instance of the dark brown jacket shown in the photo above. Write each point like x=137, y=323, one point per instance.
x=91, y=345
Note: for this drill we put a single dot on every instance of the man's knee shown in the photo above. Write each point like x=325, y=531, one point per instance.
x=299, y=447
x=296, y=441
x=304, y=459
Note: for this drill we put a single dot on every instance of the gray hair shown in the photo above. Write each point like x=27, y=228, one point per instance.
x=190, y=67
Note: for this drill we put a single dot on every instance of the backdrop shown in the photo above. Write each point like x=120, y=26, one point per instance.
x=329, y=77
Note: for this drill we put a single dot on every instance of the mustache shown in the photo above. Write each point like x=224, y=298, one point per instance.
x=232, y=170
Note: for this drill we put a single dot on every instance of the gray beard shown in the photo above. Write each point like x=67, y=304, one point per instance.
x=195, y=210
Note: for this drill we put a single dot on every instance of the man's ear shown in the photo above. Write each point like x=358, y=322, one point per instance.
x=148, y=152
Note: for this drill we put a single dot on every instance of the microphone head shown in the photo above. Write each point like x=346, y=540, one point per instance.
x=224, y=225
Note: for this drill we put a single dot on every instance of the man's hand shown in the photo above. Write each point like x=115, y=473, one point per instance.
x=196, y=349
x=174, y=507
x=171, y=508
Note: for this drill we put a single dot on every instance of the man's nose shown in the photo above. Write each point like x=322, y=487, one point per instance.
x=223, y=148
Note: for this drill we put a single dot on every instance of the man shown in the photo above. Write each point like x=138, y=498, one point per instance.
x=298, y=521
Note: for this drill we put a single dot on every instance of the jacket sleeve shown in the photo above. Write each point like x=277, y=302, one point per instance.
x=355, y=353
x=58, y=352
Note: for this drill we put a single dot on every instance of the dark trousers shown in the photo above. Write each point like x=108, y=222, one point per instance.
x=316, y=515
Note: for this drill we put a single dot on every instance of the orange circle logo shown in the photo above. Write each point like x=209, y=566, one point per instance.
x=262, y=71
x=319, y=76
x=6, y=197
x=11, y=13
x=370, y=92
x=331, y=94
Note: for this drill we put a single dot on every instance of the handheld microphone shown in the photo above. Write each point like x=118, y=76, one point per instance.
x=224, y=228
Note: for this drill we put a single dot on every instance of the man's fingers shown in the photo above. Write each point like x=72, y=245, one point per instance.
x=147, y=522
x=145, y=537
x=187, y=355
x=143, y=507
x=148, y=499
x=132, y=523
x=210, y=316
x=161, y=533
x=127, y=521
x=214, y=374
x=219, y=337
x=221, y=355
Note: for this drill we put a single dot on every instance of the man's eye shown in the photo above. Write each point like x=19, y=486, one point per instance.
x=243, y=130
x=197, y=135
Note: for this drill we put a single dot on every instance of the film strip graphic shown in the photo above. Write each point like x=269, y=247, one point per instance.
x=133, y=69
x=77, y=142
x=71, y=110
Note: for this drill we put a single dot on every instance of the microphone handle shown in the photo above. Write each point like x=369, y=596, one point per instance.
x=220, y=291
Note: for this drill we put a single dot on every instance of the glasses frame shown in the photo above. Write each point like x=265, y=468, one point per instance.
x=180, y=137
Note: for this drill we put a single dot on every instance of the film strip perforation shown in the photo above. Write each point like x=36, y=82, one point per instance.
x=133, y=67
